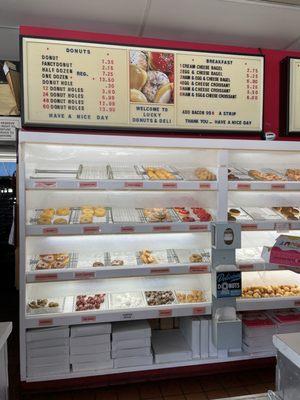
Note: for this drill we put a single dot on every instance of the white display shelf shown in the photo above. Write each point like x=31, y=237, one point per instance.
x=194, y=362
x=271, y=303
x=264, y=185
x=115, y=228
x=270, y=225
x=115, y=272
x=118, y=184
x=83, y=317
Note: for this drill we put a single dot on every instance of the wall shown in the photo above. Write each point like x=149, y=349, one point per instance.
x=272, y=63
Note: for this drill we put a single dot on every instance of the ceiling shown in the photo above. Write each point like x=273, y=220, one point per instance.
x=253, y=23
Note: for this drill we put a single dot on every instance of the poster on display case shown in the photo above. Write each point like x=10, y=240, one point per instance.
x=290, y=99
x=89, y=85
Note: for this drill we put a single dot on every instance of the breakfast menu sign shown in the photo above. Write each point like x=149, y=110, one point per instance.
x=91, y=85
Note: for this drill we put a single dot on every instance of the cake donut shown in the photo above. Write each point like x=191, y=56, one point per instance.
x=48, y=258
x=48, y=212
x=64, y=258
x=157, y=88
x=63, y=211
x=100, y=212
x=44, y=221
x=138, y=58
x=58, y=265
x=138, y=77
x=136, y=96
x=42, y=265
x=86, y=219
x=60, y=221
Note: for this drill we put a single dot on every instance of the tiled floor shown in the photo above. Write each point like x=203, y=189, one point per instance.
x=196, y=388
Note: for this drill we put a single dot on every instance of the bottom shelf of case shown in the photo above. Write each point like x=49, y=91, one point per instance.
x=194, y=362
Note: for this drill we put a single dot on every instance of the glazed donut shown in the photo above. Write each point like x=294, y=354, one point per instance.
x=57, y=265
x=47, y=257
x=100, y=212
x=44, y=221
x=86, y=219
x=163, y=62
x=60, y=221
x=117, y=262
x=42, y=265
x=156, y=81
x=138, y=77
x=63, y=211
x=98, y=264
x=61, y=257
x=136, y=96
x=138, y=58
x=47, y=212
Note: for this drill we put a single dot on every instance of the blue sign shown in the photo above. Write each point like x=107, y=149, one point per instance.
x=229, y=284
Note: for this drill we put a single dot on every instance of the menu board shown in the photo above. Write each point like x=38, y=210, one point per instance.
x=293, y=77
x=91, y=85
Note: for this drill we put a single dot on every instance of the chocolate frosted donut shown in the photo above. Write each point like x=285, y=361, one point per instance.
x=155, y=81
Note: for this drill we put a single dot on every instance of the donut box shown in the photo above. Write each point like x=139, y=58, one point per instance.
x=52, y=261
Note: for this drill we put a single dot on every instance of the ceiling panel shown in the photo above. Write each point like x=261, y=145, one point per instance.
x=106, y=16
x=9, y=44
x=226, y=22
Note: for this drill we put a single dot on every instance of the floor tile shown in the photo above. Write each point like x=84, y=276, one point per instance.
x=256, y=389
x=229, y=381
x=196, y=396
x=237, y=391
x=128, y=393
x=248, y=378
x=216, y=394
x=170, y=388
x=209, y=383
x=190, y=386
x=106, y=395
x=149, y=390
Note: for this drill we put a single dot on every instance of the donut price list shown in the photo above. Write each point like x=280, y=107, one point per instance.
x=111, y=86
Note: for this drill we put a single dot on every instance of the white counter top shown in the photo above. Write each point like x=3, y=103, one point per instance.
x=289, y=345
x=5, y=331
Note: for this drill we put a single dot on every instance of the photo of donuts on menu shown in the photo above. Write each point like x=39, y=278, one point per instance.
x=151, y=77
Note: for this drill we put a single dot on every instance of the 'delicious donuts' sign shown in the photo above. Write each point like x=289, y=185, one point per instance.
x=90, y=85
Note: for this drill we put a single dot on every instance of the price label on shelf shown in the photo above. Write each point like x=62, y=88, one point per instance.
x=45, y=322
x=165, y=313
x=277, y=186
x=50, y=231
x=90, y=230
x=204, y=186
x=169, y=185
x=84, y=275
x=249, y=227
x=161, y=228
x=243, y=186
x=127, y=316
x=194, y=269
x=88, y=318
x=88, y=184
x=127, y=229
x=199, y=310
x=45, y=277
x=246, y=267
x=156, y=271
x=198, y=227
x=135, y=185
x=45, y=184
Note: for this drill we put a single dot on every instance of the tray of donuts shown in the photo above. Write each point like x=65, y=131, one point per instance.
x=53, y=261
x=90, y=215
x=158, y=172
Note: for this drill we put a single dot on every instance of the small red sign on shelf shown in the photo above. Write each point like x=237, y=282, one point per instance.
x=277, y=186
x=91, y=229
x=45, y=184
x=161, y=228
x=159, y=271
x=165, y=313
x=50, y=231
x=169, y=185
x=88, y=318
x=198, y=310
x=127, y=229
x=243, y=186
x=246, y=267
x=204, y=186
x=198, y=268
x=45, y=322
x=133, y=184
x=88, y=184
x=198, y=227
x=84, y=275
x=249, y=227
x=45, y=277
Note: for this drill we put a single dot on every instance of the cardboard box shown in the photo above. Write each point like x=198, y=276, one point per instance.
x=94, y=348
x=133, y=361
x=287, y=321
x=204, y=338
x=92, y=366
x=256, y=324
x=130, y=344
x=212, y=350
x=89, y=340
x=90, y=330
x=96, y=358
x=48, y=351
x=48, y=360
x=170, y=346
x=47, y=333
x=141, y=351
x=40, y=344
x=50, y=370
x=129, y=330
x=190, y=328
